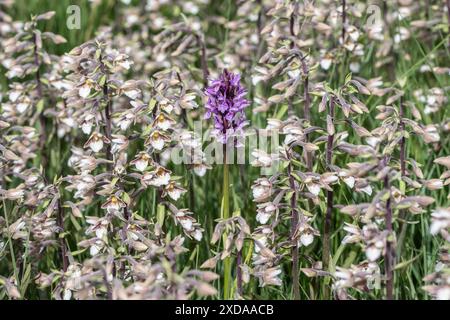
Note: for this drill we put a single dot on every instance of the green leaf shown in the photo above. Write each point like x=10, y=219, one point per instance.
x=404, y=264
x=282, y=111
x=78, y=252
x=296, y=177
x=126, y=198
x=40, y=106
x=327, y=87
x=75, y=222
x=25, y=280
x=402, y=186
x=402, y=81
x=348, y=78
x=102, y=80
x=146, y=131
x=160, y=215
x=114, y=181
x=151, y=105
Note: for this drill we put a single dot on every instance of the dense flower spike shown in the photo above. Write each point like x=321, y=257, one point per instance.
x=226, y=104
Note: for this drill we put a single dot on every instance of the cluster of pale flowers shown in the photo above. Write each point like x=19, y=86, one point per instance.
x=103, y=116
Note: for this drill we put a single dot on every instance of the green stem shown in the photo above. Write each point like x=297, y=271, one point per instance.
x=329, y=210
x=11, y=247
x=225, y=215
x=226, y=186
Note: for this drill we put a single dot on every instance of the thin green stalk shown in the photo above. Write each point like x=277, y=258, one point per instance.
x=39, y=91
x=239, y=273
x=108, y=124
x=402, y=213
x=225, y=214
x=62, y=241
x=11, y=247
x=330, y=194
x=344, y=20
x=294, y=225
x=226, y=192
x=390, y=253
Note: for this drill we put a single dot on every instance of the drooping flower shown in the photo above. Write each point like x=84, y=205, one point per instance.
x=226, y=104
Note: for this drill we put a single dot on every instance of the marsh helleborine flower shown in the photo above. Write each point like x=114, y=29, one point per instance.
x=226, y=104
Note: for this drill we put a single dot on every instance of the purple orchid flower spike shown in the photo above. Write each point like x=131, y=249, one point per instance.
x=226, y=104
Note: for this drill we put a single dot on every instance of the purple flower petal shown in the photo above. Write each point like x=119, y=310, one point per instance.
x=226, y=103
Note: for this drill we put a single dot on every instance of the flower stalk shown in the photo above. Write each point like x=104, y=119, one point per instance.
x=448, y=12
x=389, y=255
x=226, y=104
x=239, y=272
x=344, y=20
x=330, y=193
x=225, y=214
x=403, y=173
x=403, y=140
x=43, y=132
x=62, y=241
x=107, y=122
x=294, y=224
x=203, y=59
x=306, y=109
x=308, y=158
